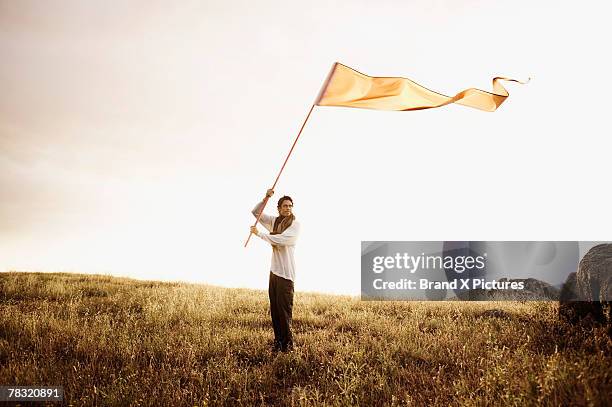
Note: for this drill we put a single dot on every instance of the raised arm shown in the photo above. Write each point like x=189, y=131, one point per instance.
x=266, y=220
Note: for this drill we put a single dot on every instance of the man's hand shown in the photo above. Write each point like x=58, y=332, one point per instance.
x=269, y=193
x=254, y=230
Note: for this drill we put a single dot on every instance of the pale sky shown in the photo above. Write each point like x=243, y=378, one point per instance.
x=135, y=139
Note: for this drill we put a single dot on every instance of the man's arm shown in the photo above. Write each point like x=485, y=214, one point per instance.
x=266, y=220
x=287, y=238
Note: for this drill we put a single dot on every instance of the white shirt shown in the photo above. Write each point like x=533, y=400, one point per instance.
x=283, y=244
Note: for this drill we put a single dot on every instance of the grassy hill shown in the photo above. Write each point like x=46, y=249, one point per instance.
x=117, y=341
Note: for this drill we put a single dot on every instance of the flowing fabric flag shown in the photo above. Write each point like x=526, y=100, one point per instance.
x=347, y=87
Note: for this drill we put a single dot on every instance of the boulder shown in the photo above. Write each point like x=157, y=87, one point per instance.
x=589, y=290
x=594, y=276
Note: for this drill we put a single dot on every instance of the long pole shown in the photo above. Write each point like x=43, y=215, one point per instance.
x=316, y=102
x=280, y=172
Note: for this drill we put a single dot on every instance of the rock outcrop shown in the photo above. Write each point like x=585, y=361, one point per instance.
x=589, y=290
x=594, y=276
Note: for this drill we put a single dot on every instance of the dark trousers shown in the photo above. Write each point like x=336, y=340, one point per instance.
x=280, y=291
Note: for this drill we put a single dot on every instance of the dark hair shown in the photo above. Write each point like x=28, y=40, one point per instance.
x=280, y=201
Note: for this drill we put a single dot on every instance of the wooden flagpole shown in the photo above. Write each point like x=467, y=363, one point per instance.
x=280, y=172
x=319, y=96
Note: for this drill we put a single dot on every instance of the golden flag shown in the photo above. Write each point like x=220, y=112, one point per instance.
x=345, y=86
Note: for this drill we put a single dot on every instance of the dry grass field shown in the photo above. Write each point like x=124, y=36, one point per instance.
x=116, y=342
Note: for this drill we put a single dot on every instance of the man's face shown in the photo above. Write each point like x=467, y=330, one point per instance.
x=285, y=208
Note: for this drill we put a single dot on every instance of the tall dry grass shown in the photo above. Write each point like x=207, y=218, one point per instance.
x=114, y=341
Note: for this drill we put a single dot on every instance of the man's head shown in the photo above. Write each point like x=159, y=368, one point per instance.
x=285, y=206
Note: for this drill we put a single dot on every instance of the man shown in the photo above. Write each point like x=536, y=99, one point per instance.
x=284, y=231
